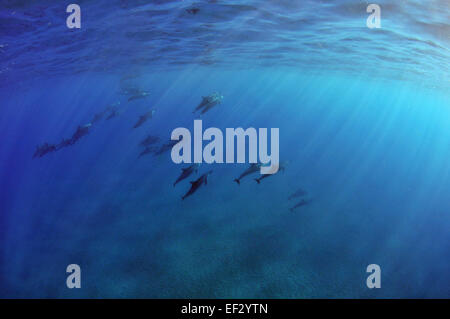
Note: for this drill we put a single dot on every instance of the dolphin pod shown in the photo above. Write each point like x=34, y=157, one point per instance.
x=109, y=112
x=48, y=148
x=149, y=144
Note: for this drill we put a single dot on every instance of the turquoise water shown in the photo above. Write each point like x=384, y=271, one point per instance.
x=364, y=123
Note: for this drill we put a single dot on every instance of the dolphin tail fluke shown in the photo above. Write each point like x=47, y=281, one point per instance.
x=257, y=180
x=237, y=181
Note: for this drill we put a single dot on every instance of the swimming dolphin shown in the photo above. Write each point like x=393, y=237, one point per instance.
x=208, y=102
x=205, y=101
x=195, y=185
x=110, y=108
x=214, y=100
x=47, y=148
x=98, y=116
x=149, y=140
x=113, y=113
x=166, y=147
x=253, y=168
x=80, y=132
x=281, y=169
x=303, y=202
x=140, y=95
x=130, y=91
x=147, y=150
x=299, y=193
x=211, y=105
x=193, y=10
x=143, y=118
x=186, y=172
x=64, y=143
x=44, y=149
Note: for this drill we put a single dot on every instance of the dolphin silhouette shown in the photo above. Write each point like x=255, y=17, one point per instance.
x=113, y=113
x=141, y=95
x=281, y=169
x=253, y=168
x=299, y=193
x=143, y=118
x=166, y=147
x=44, y=149
x=186, y=172
x=303, y=202
x=216, y=100
x=147, y=150
x=195, y=185
x=149, y=140
x=208, y=102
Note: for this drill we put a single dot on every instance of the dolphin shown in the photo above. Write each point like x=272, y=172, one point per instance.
x=48, y=148
x=204, y=102
x=143, y=118
x=210, y=106
x=98, y=116
x=80, y=132
x=64, y=143
x=253, y=168
x=147, y=150
x=192, y=10
x=195, y=185
x=299, y=193
x=165, y=147
x=44, y=149
x=208, y=102
x=149, y=140
x=215, y=101
x=140, y=95
x=130, y=91
x=113, y=113
x=281, y=169
x=303, y=202
x=186, y=172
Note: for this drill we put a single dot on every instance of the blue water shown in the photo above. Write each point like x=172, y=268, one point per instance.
x=364, y=119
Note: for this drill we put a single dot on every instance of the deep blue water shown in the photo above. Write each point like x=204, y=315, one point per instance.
x=364, y=119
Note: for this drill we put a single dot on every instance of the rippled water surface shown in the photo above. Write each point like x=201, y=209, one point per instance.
x=319, y=35
x=364, y=119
